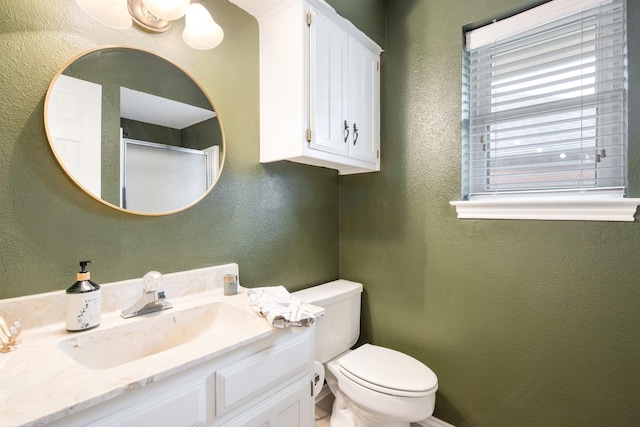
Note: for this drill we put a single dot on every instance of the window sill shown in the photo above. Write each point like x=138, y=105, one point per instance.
x=554, y=209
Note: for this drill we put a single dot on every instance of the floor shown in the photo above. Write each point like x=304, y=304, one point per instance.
x=323, y=411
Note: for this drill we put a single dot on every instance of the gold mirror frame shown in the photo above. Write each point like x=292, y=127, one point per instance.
x=152, y=56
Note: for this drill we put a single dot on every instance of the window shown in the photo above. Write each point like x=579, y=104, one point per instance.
x=544, y=107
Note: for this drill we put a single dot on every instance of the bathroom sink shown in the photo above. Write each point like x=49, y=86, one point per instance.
x=143, y=336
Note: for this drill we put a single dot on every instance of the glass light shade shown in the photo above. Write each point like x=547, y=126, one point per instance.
x=167, y=9
x=200, y=30
x=112, y=13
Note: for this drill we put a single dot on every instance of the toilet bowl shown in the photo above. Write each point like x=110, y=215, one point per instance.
x=372, y=385
x=382, y=387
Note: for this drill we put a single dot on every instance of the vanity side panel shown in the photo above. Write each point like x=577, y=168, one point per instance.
x=283, y=117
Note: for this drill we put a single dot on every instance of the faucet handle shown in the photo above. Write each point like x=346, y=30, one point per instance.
x=151, y=282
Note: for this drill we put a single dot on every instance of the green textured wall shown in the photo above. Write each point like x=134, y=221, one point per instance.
x=526, y=323
x=278, y=221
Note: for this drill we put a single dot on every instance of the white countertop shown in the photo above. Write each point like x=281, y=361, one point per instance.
x=39, y=383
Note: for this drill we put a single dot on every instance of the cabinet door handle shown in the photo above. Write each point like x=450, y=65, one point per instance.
x=355, y=134
x=346, y=131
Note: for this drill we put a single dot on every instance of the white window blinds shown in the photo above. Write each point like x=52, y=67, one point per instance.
x=544, y=108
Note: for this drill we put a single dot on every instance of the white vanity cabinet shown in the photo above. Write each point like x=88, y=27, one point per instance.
x=290, y=407
x=276, y=382
x=266, y=383
x=319, y=89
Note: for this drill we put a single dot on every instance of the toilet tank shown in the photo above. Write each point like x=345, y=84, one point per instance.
x=338, y=330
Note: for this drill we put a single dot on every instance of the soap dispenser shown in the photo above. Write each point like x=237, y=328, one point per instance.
x=83, y=302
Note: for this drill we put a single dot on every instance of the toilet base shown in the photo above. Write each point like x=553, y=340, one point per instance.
x=345, y=414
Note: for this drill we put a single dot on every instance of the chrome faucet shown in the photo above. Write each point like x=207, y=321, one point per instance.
x=152, y=299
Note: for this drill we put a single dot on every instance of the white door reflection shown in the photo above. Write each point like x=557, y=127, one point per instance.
x=75, y=120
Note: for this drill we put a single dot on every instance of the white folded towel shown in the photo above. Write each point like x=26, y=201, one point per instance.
x=280, y=309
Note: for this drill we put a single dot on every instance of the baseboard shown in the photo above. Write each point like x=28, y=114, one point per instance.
x=434, y=422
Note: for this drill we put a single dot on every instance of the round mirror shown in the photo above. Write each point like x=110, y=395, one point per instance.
x=134, y=131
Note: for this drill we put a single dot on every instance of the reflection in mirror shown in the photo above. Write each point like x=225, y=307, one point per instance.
x=134, y=131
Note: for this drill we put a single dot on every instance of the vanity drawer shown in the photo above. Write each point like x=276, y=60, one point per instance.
x=260, y=373
x=183, y=406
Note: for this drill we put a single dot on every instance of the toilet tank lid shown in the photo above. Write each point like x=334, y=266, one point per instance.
x=328, y=293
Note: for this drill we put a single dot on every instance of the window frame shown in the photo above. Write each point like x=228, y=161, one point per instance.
x=542, y=205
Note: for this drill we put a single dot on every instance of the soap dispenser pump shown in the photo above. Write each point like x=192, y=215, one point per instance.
x=83, y=302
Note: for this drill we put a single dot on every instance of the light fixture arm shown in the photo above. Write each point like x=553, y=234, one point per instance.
x=156, y=16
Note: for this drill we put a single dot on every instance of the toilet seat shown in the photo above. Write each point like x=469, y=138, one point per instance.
x=388, y=371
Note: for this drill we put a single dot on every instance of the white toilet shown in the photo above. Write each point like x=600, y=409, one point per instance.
x=372, y=385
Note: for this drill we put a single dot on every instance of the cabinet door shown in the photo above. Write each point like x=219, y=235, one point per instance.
x=292, y=407
x=261, y=373
x=364, y=98
x=329, y=107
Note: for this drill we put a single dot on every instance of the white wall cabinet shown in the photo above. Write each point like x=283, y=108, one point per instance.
x=320, y=89
x=266, y=383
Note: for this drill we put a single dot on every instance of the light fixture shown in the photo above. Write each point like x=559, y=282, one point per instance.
x=200, y=32
x=169, y=10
